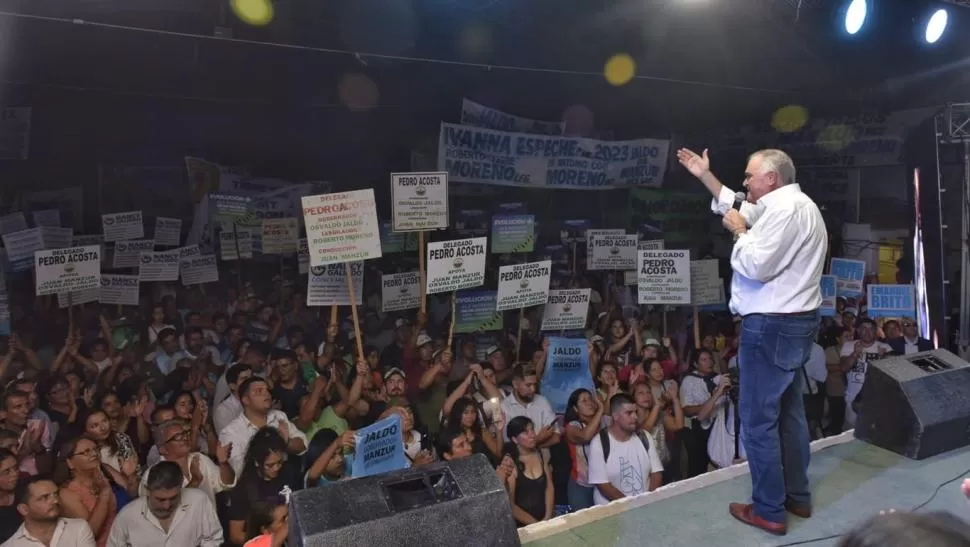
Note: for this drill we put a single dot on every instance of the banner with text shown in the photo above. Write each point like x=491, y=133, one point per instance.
x=828, y=287
x=379, y=448
x=706, y=288
x=342, y=227
x=849, y=275
x=475, y=311
x=664, y=277
x=513, y=234
x=486, y=156
x=891, y=301
x=280, y=235
x=67, y=270
x=456, y=265
x=400, y=291
x=567, y=369
x=566, y=309
x=479, y=115
x=419, y=201
x=616, y=251
x=327, y=285
x=523, y=285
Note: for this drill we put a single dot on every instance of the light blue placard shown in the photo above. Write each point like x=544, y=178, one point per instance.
x=891, y=301
x=567, y=369
x=380, y=448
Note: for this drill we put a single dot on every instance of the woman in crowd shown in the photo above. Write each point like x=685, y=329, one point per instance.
x=326, y=458
x=584, y=418
x=703, y=391
x=465, y=417
x=85, y=491
x=609, y=382
x=189, y=407
x=268, y=525
x=531, y=490
x=115, y=450
x=661, y=417
x=831, y=341
x=259, y=481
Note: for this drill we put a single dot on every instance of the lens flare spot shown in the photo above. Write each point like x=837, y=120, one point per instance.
x=836, y=137
x=358, y=92
x=253, y=12
x=788, y=119
x=619, y=69
x=475, y=40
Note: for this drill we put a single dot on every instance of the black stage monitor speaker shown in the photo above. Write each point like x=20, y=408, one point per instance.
x=445, y=504
x=916, y=405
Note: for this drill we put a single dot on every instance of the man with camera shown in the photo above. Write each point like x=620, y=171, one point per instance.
x=777, y=264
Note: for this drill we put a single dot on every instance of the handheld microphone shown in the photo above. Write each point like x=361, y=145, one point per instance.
x=739, y=199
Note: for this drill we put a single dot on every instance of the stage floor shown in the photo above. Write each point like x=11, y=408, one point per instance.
x=850, y=482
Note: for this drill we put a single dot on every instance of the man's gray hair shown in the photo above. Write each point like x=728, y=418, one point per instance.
x=779, y=162
x=160, y=429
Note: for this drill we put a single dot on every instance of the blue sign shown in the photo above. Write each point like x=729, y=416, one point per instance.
x=475, y=312
x=471, y=222
x=397, y=242
x=513, y=234
x=828, y=288
x=380, y=448
x=574, y=231
x=849, y=275
x=567, y=369
x=512, y=208
x=891, y=301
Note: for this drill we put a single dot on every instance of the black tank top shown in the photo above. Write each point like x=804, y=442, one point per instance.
x=530, y=494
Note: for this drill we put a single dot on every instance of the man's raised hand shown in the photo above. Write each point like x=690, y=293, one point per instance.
x=698, y=165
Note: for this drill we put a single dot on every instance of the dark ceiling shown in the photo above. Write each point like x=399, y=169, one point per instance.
x=700, y=63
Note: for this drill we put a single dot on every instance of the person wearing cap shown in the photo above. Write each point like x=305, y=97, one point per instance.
x=466, y=358
x=496, y=357
x=652, y=350
x=416, y=361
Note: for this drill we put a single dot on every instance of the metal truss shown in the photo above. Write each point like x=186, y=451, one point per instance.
x=953, y=127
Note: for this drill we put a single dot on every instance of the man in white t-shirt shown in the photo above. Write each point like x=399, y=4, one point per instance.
x=623, y=462
x=856, y=356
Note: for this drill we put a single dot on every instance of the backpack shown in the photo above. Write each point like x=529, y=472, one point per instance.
x=605, y=441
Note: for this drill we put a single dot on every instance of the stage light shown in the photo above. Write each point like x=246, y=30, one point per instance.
x=855, y=16
x=936, y=25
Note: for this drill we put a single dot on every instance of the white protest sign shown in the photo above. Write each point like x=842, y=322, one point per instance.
x=56, y=237
x=199, y=269
x=664, y=277
x=83, y=240
x=593, y=234
x=327, y=285
x=22, y=245
x=187, y=251
x=121, y=290
x=47, y=217
x=651, y=245
x=122, y=226
x=231, y=249
x=76, y=298
x=128, y=253
x=67, y=270
x=631, y=278
x=455, y=265
x=400, y=291
x=705, y=284
x=168, y=232
x=159, y=266
x=280, y=236
x=566, y=309
x=613, y=252
x=14, y=222
x=342, y=227
x=419, y=201
x=523, y=285
x=303, y=257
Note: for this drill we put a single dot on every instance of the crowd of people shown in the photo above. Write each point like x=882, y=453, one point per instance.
x=192, y=422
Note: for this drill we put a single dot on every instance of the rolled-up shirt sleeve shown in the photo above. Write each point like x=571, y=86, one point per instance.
x=769, y=248
x=724, y=202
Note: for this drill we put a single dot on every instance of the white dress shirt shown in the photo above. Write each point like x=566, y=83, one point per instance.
x=815, y=369
x=68, y=533
x=538, y=410
x=195, y=523
x=211, y=477
x=778, y=263
x=226, y=412
x=240, y=431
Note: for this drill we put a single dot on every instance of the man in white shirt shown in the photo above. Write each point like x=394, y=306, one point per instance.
x=198, y=471
x=36, y=500
x=856, y=356
x=229, y=409
x=526, y=402
x=258, y=413
x=777, y=266
x=630, y=465
x=168, y=515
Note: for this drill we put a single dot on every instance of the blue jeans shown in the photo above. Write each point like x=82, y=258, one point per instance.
x=771, y=358
x=580, y=497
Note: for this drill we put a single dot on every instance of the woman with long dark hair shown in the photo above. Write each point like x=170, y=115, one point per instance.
x=531, y=489
x=584, y=418
x=259, y=481
x=115, y=449
x=465, y=418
